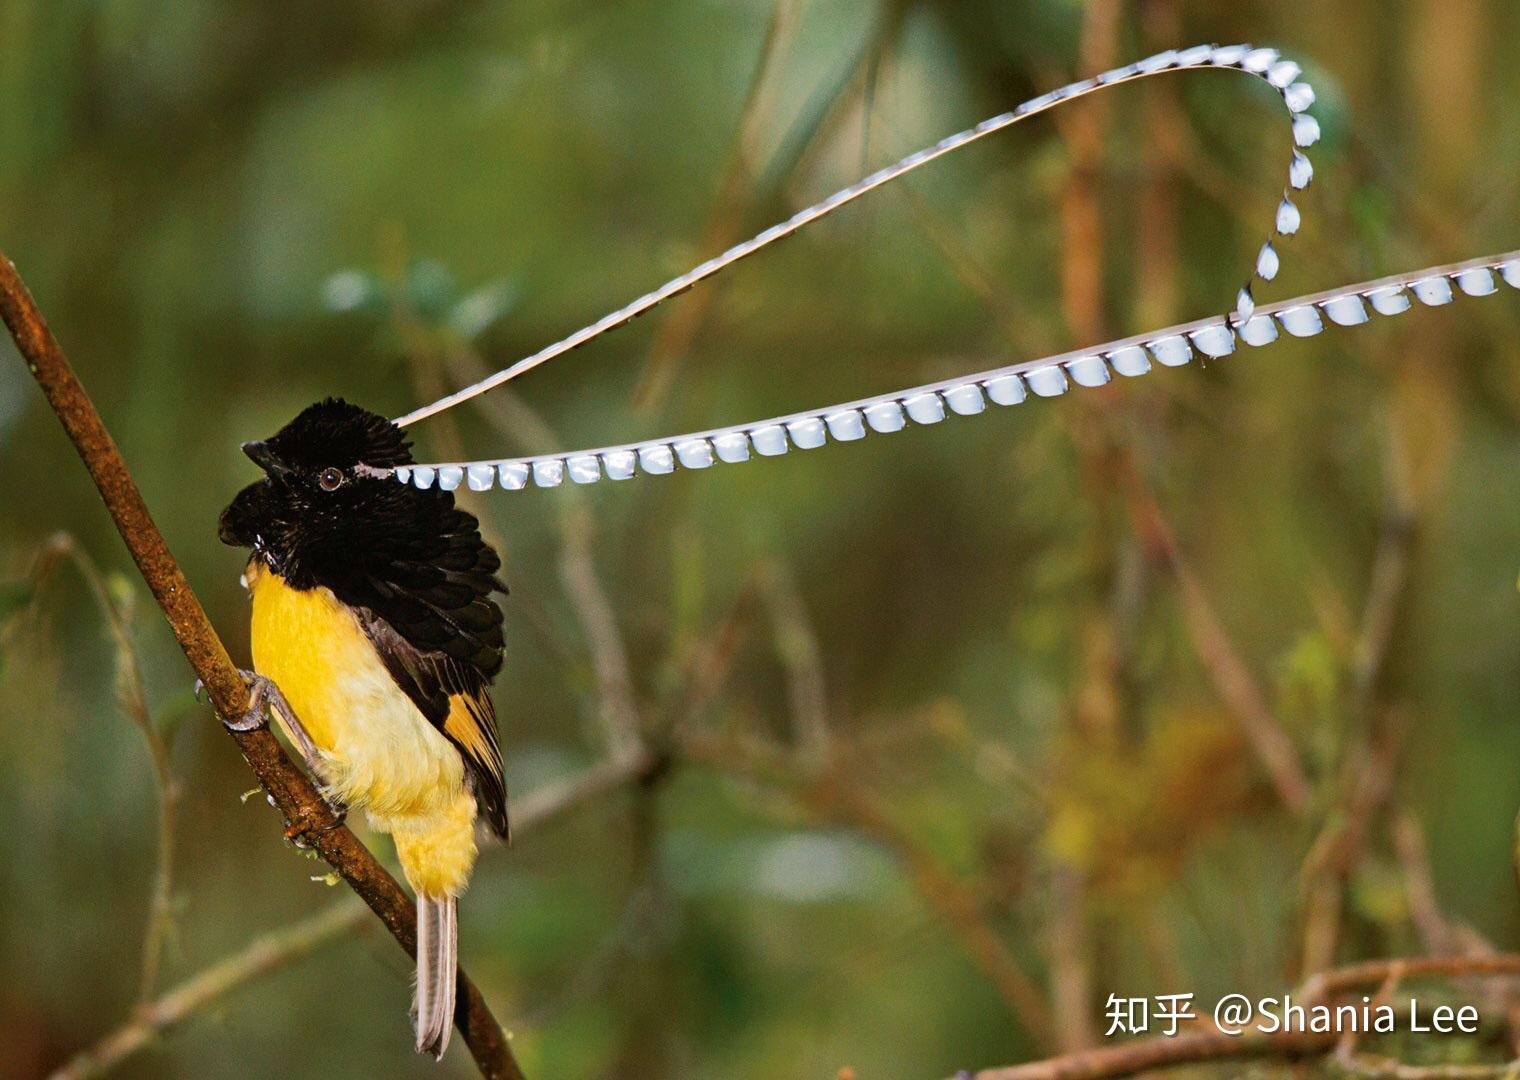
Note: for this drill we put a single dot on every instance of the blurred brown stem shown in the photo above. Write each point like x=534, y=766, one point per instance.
x=801, y=658
x=618, y=710
x=674, y=337
x=289, y=789
x=262, y=956
x=133, y=697
x=1188, y=1048
x=1230, y=676
x=832, y=794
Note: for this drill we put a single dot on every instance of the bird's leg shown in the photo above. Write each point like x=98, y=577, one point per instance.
x=265, y=697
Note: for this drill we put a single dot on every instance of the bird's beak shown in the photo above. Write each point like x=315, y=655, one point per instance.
x=259, y=453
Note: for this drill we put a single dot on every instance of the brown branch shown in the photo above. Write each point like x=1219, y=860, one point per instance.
x=618, y=710
x=132, y=696
x=684, y=322
x=1189, y=1048
x=555, y=797
x=1371, y=758
x=1435, y=929
x=264, y=955
x=833, y=795
x=1229, y=673
x=1016, y=321
x=1144, y=1055
x=1368, y=777
x=797, y=648
x=1389, y=582
x=289, y=789
x=838, y=799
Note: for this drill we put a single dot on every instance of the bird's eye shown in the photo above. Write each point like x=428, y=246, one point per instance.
x=331, y=479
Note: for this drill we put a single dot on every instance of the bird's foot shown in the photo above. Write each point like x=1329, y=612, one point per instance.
x=261, y=692
x=299, y=832
x=264, y=698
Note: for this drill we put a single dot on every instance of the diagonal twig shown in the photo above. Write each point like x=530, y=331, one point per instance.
x=832, y=794
x=262, y=956
x=1230, y=676
x=617, y=700
x=724, y=224
x=133, y=697
x=1189, y=1048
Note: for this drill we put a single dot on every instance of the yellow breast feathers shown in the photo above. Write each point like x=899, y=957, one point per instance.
x=380, y=753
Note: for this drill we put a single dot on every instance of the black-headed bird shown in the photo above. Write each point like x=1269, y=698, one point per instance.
x=373, y=618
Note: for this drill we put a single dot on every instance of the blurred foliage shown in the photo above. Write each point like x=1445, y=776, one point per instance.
x=230, y=210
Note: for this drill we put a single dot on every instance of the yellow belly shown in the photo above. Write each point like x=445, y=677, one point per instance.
x=379, y=752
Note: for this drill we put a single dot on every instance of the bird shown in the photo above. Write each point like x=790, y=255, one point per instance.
x=375, y=636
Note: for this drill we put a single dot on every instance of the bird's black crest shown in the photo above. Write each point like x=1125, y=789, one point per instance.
x=333, y=432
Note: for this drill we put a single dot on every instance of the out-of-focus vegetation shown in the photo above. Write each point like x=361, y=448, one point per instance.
x=948, y=713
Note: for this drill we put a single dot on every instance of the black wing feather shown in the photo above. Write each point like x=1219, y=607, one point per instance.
x=423, y=590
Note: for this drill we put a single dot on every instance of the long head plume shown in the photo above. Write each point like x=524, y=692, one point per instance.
x=1266, y=64
x=967, y=395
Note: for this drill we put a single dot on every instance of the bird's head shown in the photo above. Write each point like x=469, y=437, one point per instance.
x=324, y=494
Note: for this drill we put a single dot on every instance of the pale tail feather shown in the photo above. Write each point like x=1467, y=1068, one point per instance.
x=437, y=971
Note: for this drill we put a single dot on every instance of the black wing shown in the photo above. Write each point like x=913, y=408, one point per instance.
x=454, y=697
x=423, y=591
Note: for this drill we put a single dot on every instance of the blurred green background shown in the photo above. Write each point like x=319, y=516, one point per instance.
x=964, y=723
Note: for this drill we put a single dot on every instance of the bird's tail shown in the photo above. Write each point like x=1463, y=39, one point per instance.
x=437, y=972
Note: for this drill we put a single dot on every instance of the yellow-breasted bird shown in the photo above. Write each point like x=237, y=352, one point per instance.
x=376, y=635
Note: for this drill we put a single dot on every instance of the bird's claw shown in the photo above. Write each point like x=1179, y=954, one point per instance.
x=264, y=697
x=257, y=715
x=298, y=833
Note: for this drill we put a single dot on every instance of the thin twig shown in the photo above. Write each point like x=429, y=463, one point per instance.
x=577, y=571
x=1441, y=933
x=1228, y=672
x=1368, y=778
x=1016, y=322
x=797, y=647
x=1419, y=887
x=133, y=697
x=1371, y=751
x=617, y=707
x=1071, y=969
x=844, y=802
x=724, y=224
x=1377, y=1067
x=264, y=955
x=835, y=796
x=1144, y=1055
x=1390, y=574
x=1097, y=709
x=1350, y=1039
x=289, y=789
x=552, y=799
x=1188, y=1048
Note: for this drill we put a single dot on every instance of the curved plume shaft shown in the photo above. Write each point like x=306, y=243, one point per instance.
x=1304, y=316
x=1266, y=64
